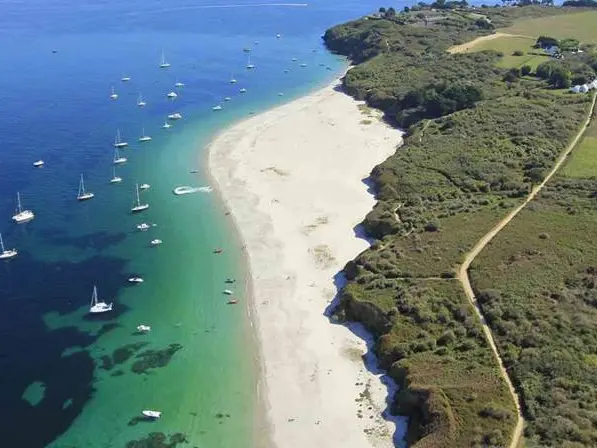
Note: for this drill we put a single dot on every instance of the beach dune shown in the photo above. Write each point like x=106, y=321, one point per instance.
x=293, y=179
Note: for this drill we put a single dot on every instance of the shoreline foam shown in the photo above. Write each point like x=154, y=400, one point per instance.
x=293, y=179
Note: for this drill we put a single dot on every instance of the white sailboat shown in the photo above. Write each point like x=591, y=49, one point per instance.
x=249, y=65
x=144, y=187
x=22, y=216
x=140, y=102
x=114, y=95
x=135, y=280
x=125, y=78
x=117, y=158
x=144, y=138
x=96, y=306
x=155, y=242
x=152, y=414
x=6, y=254
x=118, y=142
x=178, y=84
x=115, y=179
x=143, y=328
x=83, y=195
x=38, y=164
x=243, y=90
x=163, y=63
x=232, y=79
x=139, y=207
x=166, y=125
x=174, y=116
x=143, y=226
x=172, y=95
x=216, y=108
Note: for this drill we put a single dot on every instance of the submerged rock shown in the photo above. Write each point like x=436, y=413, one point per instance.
x=152, y=359
x=158, y=440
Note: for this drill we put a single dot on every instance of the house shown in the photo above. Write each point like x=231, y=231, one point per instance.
x=551, y=50
x=584, y=88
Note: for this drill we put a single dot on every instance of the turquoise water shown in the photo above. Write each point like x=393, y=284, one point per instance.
x=68, y=380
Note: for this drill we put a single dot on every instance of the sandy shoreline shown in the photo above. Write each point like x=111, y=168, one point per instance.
x=292, y=178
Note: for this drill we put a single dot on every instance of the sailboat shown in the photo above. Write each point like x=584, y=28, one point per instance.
x=216, y=108
x=115, y=179
x=163, y=63
x=114, y=95
x=172, y=95
x=232, y=79
x=249, y=65
x=117, y=158
x=125, y=78
x=96, y=306
x=140, y=102
x=178, y=84
x=166, y=125
x=144, y=138
x=22, y=216
x=139, y=207
x=83, y=195
x=6, y=254
x=118, y=143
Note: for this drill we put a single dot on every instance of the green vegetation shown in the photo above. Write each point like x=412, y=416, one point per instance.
x=579, y=25
x=432, y=342
x=583, y=163
x=480, y=136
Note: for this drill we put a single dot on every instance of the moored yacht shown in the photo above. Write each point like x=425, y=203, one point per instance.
x=250, y=66
x=139, y=207
x=152, y=414
x=118, y=142
x=144, y=187
x=135, y=280
x=172, y=95
x=140, y=101
x=83, y=195
x=178, y=84
x=163, y=63
x=114, y=95
x=175, y=116
x=143, y=328
x=155, y=242
x=96, y=306
x=125, y=78
x=115, y=179
x=166, y=125
x=22, y=216
x=218, y=107
x=38, y=164
x=144, y=138
x=118, y=159
x=143, y=226
x=6, y=254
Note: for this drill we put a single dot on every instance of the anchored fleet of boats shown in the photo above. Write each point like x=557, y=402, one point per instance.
x=98, y=306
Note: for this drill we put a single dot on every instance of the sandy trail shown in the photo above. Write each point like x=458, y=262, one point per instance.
x=470, y=256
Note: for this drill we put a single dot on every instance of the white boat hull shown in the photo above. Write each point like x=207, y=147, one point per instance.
x=139, y=208
x=100, y=307
x=85, y=197
x=7, y=254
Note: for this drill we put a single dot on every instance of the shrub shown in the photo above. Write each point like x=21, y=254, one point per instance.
x=518, y=53
x=525, y=70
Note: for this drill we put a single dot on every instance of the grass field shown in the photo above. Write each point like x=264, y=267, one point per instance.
x=508, y=45
x=581, y=26
x=582, y=163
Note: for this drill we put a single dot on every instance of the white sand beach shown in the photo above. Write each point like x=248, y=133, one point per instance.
x=293, y=179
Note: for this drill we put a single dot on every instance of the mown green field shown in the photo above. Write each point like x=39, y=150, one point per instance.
x=583, y=161
x=581, y=26
x=507, y=45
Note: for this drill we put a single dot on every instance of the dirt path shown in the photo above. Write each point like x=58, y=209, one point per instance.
x=466, y=283
x=469, y=45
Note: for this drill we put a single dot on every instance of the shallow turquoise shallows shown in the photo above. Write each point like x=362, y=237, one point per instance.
x=71, y=380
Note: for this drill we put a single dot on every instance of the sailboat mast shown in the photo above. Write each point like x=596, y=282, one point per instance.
x=19, y=202
x=1, y=243
x=94, y=296
x=138, y=200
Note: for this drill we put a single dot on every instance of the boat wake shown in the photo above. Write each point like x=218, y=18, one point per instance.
x=185, y=189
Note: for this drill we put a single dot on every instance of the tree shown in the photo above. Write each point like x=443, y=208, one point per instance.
x=382, y=10
x=560, y=78
x=525, y=70
x=512, y=75
x=391, y=12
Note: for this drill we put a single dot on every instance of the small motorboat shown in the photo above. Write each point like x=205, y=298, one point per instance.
x=278, y=36
x=303, y=65
x=38, y=164
x=194, y=171
x=152, y=414
x=144, y=187
x=219, y=250
x=230, y=280
x=228, y=292
x=143, y=329
x=135, y=280
x=243, y=90
x=166, y=125
x=218, y=107
x=155, y=242
x=113, y=95
x=247, y=50
x=185, y=189
x=280, y=94
x=125, y=78
x=172, y=95
x=179, y=84
x=175, y=116
x=227, y=98
x=232, y=302
x=294, y=59
x=143, y=226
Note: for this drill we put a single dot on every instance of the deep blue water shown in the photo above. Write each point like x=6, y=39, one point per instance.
x=54, y=387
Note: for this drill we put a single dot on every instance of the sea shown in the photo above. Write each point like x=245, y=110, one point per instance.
x=72, y=380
